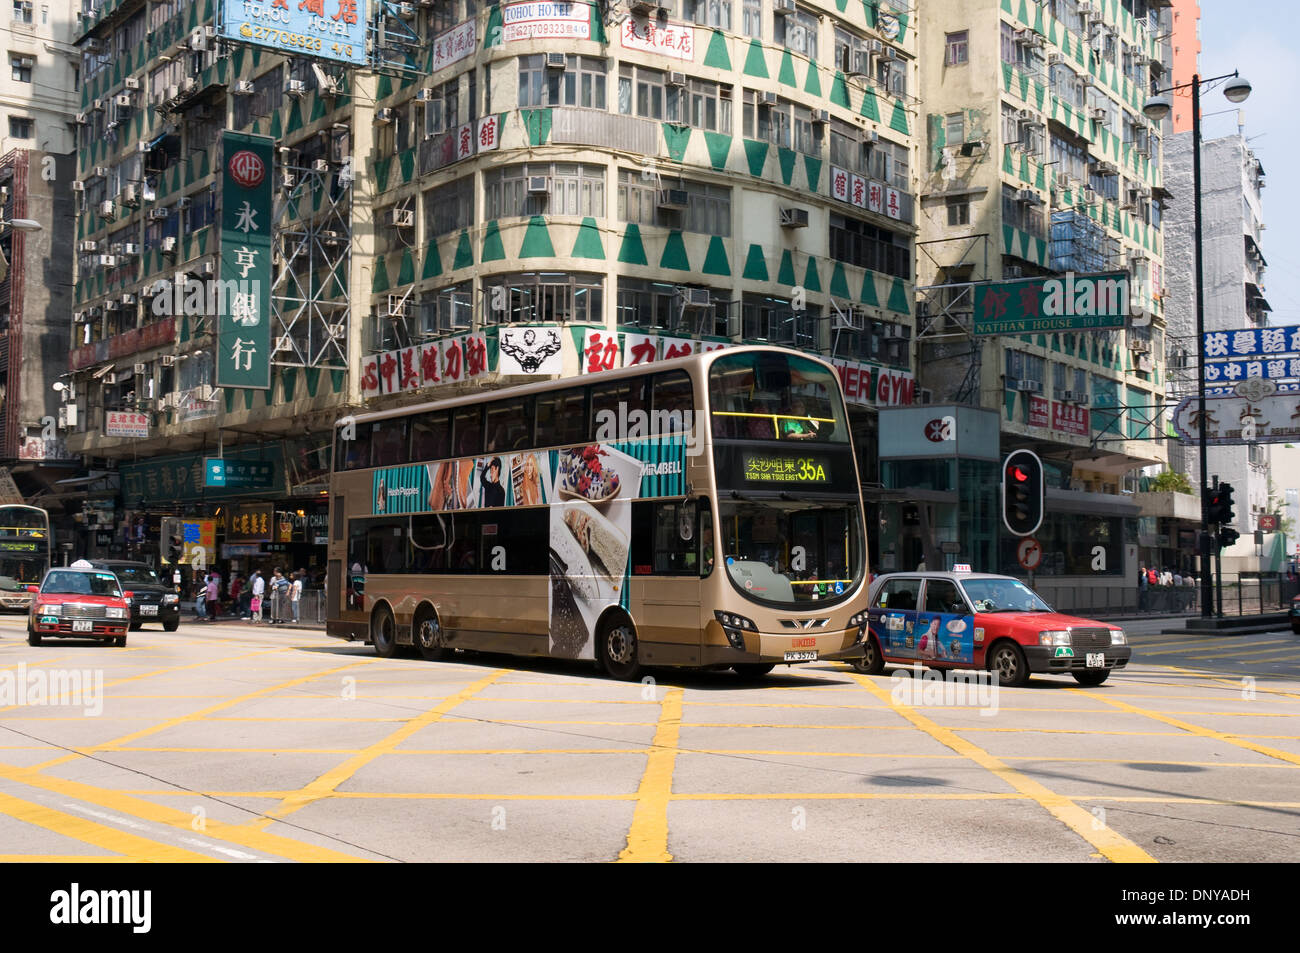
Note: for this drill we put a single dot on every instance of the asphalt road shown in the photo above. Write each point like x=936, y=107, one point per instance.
x=224, y=742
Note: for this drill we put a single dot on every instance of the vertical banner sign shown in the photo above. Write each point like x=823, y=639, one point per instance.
x=244, y=299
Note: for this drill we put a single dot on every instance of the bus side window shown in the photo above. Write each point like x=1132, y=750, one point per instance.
x=510, y=425
x=704, y=534
x=388, y=442
x=430, y=436
x=673, y=400
x=562, y=418
x=657, y=545
x=463, y=546
x=467, y=430
x=355, y=453
x=617, y=408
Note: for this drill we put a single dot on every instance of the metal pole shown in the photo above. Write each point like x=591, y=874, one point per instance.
x=1206, y=582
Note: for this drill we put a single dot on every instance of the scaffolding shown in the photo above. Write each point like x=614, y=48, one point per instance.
x=1079, y=244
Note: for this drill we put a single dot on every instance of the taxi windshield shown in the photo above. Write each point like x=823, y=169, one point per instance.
x=1003, y=595
x=66, y=582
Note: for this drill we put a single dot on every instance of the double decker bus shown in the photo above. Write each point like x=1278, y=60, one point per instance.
x=699, y=512
x=25, y=552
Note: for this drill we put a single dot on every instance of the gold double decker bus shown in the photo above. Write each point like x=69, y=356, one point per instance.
x=700, y=512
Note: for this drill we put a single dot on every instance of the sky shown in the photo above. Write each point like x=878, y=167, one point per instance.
x=1249, y=35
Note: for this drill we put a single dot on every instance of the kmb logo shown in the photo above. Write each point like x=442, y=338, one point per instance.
x=247, y=169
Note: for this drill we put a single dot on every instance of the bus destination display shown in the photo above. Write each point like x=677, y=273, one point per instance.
x=780, y=468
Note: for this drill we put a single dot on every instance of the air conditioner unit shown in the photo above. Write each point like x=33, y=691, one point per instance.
x=1029, y=197
x=794, y=218
x=167, y=360
x=112, y=305
x=173, y=91
x=673, y=199
x=92, y=45
x=131, y=82
x=78, y=317
x=396, y=307
x=106, y=209
x=140, y=369
x=130, y=195
x=209, y=268
x=1026, y=115
x=1025, y=36
x=676, y=79
x=383, y=116
x=1099, y=114
x=1139, y=345
x=1102, y=167
x=130, y=248
x=320, y=165
x=158, y=214
x=88, y=246
x=122, y=99
x=821, y=117
x=204, y=392
x=295, y=87
x=869, y=137
x=1029, y=387
x=168, y=245
x=1013, y=271
x=1089, y=196
x=401, y=217
x=244, y=87
x=556, y=61
x=783, y=8
x=424, y=95
x=403, y=11
x=183, y=202
x=198, y=41
x=128, y=298
x=768, y=99
x=101, y=172
x=1076, y=396
x=698, y=298
x=1065, y=181
x=893, y=332
x=188, y=85
x=283, y=343
x=78, y=186
x=538, y=185
x=1053, y=59
x=643, y=8
x=337, y=331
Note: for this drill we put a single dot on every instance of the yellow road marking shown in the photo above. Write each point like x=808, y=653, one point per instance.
x=1197, y=729
x=1110, y=843
x=100, y=835
x=67, y=859
x=1219, y=648
x=1272, y=648
x=325, y=785
x=182, y=820
x=647, y=839
x=1232, y=682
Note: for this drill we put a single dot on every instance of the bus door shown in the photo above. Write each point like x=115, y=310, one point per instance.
x=945, y=628
x=893, y=616
x=672, y=547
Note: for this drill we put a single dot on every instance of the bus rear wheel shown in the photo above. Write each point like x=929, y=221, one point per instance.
x=383, y=633
x=427, y=636
x=618, y=651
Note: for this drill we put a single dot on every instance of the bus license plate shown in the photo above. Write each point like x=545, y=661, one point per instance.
x=82, y=625
x=148, y=610
x=807, y=656
x=1096, y=660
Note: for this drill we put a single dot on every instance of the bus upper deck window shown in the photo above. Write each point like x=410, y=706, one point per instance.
x=467, y=430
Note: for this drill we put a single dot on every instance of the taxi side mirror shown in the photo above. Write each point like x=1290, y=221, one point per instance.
x=128, y=595
x=33, y=589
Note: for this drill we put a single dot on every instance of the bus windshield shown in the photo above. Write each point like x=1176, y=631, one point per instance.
x=792, y=553
x=19, y=572
x=767, y=395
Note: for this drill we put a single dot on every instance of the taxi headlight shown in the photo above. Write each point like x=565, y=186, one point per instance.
x=1117, y=637
x=1054, y=637
x=50, y=608
x=114, y=612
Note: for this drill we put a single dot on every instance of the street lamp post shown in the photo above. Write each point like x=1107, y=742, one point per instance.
x=1156, y=109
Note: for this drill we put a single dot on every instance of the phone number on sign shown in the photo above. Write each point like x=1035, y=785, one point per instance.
x=283, y=37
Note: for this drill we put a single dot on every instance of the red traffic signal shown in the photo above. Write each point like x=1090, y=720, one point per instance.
x=1022, y=492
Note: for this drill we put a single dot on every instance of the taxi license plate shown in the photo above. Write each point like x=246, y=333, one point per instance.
x=1096, y=660
x=806, y=656
x=148, y=610
x=83, y=625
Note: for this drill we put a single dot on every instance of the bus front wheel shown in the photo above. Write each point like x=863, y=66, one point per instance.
x=383, y=633
x=618, y=651
x=428, y=638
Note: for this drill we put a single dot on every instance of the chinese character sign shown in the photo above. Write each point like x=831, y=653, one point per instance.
x=244, y=339
x=120, y=423
x=453, y=45
x=668, y=39
x=321, y=29
x=1266, y=367
x=550, y=20
x=1260, y=343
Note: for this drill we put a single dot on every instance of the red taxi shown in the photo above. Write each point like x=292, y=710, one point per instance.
x=76, y=603
x=978, y=620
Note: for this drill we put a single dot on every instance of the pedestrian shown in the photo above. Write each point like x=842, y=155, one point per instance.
x=236, y=587
x=259, y=592
x=214, y=595
x=295, y=596
x=1142, y=587
x=279, y=589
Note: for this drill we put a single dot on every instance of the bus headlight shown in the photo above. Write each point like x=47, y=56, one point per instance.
x=859, y=621
x=1117, y=637
x=732, y=626
x=1054, y=638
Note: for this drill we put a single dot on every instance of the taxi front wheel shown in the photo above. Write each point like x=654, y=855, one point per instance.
x=872, y=661
x=1007, y=662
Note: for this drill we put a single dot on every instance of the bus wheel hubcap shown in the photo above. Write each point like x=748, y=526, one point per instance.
x=430, y=634
x=619, y=645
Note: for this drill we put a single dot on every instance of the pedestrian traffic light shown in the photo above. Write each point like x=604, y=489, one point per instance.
x=171, y=539
x=1022, y=492
x=1227, y=536
x=1218, y=509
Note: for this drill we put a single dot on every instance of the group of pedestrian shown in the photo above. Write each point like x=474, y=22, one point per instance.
x=1165, y=589
x=276, y=599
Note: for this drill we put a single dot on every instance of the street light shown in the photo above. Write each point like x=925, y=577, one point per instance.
x=1156, y=109
x=23, y=225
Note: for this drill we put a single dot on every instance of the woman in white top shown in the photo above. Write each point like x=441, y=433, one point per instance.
x=296, y=595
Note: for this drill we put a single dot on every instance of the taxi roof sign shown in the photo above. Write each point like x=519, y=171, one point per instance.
x=961, y=567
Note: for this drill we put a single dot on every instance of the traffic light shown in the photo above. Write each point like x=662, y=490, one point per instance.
x=171, y=539
x=1022, y=492
x=1218, y=508
x=1227, y=536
